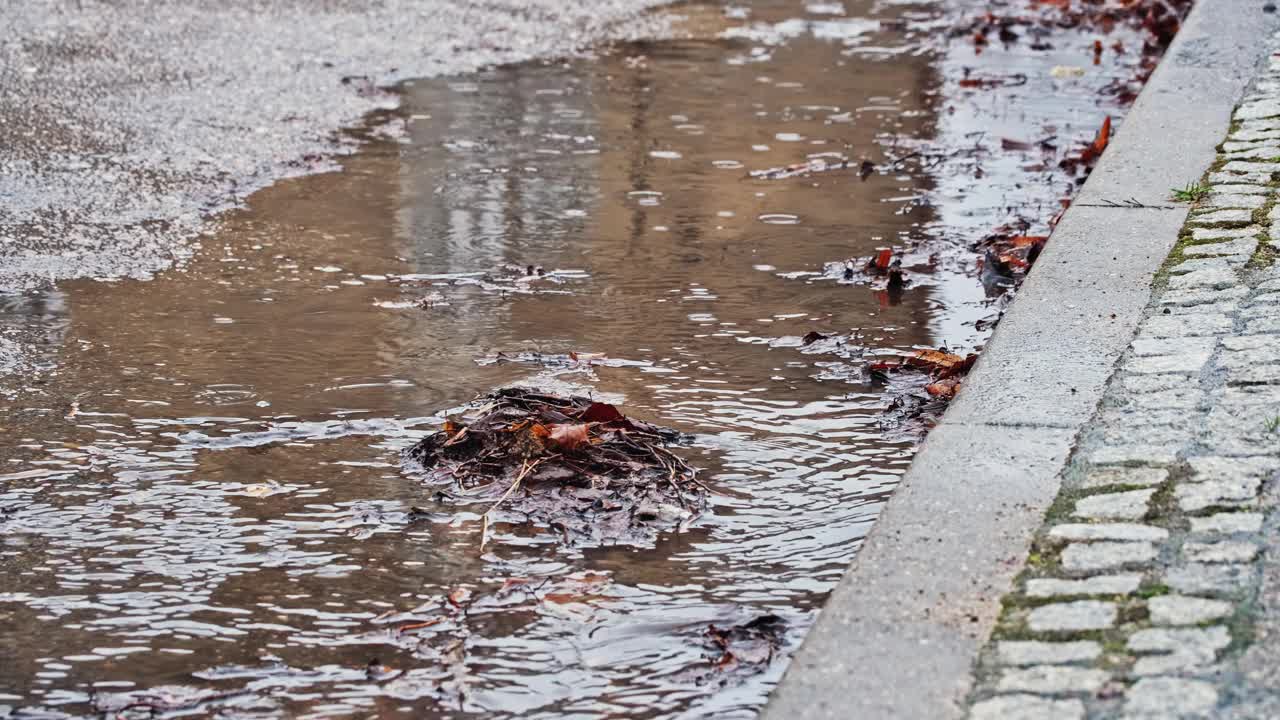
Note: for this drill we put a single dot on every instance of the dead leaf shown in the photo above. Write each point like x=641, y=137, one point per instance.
x=261, y=491
x=945, y=389
x=569, y=437
x=511, y=584
x=1094, y=149
x=601, y=413
x=935, y=360
x=459, y=597
x=1027, y=240
x=812, y=337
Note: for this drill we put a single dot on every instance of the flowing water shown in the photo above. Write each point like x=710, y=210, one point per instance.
x=203, y=509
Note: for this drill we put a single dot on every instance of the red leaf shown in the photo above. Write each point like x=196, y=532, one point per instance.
x=601, y=413
x=883, y=258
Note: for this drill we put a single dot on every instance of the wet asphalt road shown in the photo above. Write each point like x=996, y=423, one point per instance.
x=125, y=127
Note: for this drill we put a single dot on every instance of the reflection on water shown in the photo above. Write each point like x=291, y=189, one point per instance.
x=206, y=509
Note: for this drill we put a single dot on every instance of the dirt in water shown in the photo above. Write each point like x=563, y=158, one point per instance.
x=203, y=507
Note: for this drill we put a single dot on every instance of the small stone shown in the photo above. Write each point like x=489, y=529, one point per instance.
x=1106, y=555
x=1033, y=652
x=1134, y=453
x=1242, y=249
x=1198, y=496
x=1249, y=166
x=1144, y=384
x=1026, y=707
x=1158, y=326
x=1208, y=578
x=1264, y=343
x=1229, y=468
x=1173, y=346
x=1146, y=477
x=1249, y=397
x=1254, y=374
x=1227, y=523
x=1260, y=177
x=1131, y=532
x=1216, y=200
x=1206, y=262
x=1223, y=217
x=1211, y=639
x=1072, y=616
x=1123, y=584
x=1123, y=427
x=1255, y=134
x=1264, y=326
x=1180, y=610
x=1227, y=551
x=1130, y=505
x=1212, y=278
x=1185, y=362
x=1176, y=662
x=1166, y=698
x=1053, y=680
x=1265, y=153
x=1240, y=189
x=1255, y=109
x=1219, y=307
x=1201, y=298
x=1191, y=399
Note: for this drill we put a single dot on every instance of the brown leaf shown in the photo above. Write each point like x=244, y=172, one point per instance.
x=935, y=360
x=1095, y=148
x=945, y=389
x=569, y=437
x=1027, y=240
x=511, y=584
x=459, y=596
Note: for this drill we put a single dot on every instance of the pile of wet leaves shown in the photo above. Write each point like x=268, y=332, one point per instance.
x=747, y=647
x=922, y=384
x=571, y=464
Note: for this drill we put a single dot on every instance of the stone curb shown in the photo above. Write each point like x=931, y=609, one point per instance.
x=900, y=634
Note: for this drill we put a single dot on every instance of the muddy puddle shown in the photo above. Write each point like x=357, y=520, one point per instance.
x=202, y=504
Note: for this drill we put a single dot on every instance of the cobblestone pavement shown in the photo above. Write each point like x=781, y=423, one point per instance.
x=1153, y=589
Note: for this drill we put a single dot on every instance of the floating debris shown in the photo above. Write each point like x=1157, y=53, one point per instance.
x=518, y=279
x=749, y=646
x=818, y=163
x=567, y=463
x=559, y=361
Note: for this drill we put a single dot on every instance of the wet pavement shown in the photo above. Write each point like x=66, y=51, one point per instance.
x=124, y=124
x=203, y=506
x=1150, y=590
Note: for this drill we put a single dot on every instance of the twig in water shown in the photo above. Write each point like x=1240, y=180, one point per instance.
x=525, y=469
